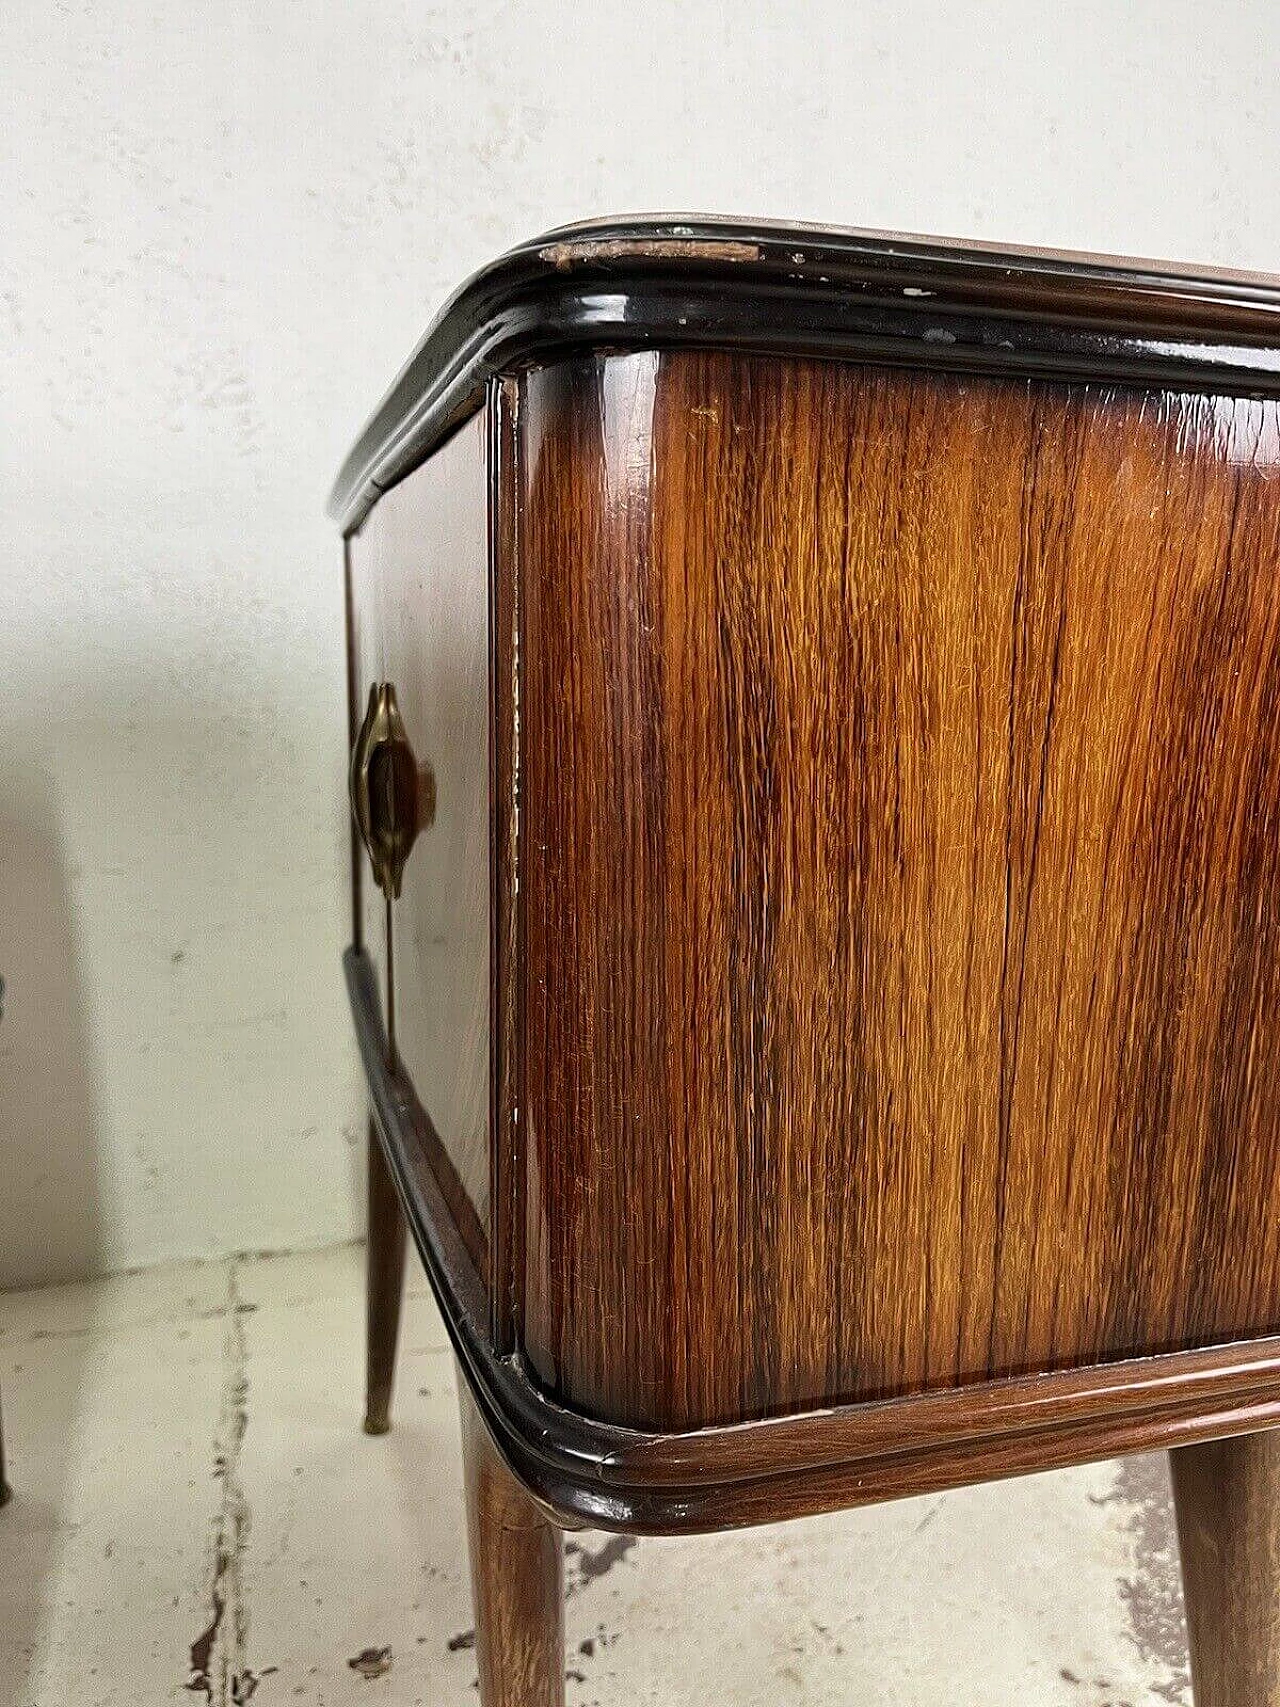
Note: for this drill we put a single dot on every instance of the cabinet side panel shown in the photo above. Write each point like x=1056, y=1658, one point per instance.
x=427, y=549
x=900, y=801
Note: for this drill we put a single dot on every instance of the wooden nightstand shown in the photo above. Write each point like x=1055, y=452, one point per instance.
x=815, y=722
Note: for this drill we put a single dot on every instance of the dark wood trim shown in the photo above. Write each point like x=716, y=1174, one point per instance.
x=456, y=1198
x=353, y=723
x=450, y=1265
x=506, y=1200
x=1014, y=1406
x=588, y=1472
x=862, y=296
x=784, y=1493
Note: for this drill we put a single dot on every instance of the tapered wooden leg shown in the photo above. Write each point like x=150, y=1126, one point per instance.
x=384, y=1286
x=1228, y=1499
x=517, y=1578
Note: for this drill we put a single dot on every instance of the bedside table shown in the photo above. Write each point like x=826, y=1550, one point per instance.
x=815, y=748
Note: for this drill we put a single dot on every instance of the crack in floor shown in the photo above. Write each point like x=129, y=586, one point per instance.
x=218, y=1668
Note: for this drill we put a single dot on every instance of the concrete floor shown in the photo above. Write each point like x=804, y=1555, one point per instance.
x=198, y=1516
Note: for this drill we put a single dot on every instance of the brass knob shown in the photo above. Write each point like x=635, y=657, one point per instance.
x=392, y=796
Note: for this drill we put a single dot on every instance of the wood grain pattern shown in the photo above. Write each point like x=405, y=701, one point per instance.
x=1228, y=1500
x=601, y=1475
x=506, y=1187
x=517, y=1578
x=420, y=578
x=385, y=1243
x=583, y=1471
x=899, y=802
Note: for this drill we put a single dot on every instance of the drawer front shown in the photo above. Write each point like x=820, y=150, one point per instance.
x=419, y=571
x=900, y=798
x=364, y=669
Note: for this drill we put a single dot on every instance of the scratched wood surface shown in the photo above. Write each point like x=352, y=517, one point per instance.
x=900, y=800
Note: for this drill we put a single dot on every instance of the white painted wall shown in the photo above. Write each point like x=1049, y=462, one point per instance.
x=223, y=229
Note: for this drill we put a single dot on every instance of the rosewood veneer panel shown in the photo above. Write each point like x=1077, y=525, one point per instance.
x=899, y=801
x=420, y=570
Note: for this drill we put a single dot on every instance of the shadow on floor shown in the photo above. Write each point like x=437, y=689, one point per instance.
x=50, y=1190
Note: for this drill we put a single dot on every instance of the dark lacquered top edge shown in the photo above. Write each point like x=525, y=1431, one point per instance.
x=805, y=290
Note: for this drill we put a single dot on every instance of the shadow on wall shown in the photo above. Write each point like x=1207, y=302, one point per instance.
x=48, y=1177
x=48, y=1119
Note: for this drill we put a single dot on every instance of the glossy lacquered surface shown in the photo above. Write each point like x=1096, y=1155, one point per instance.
x=693, y=281
x=899, y=802
x=731, y=1175
x=419, y=570
x=582, y=1470
x=829, y=1053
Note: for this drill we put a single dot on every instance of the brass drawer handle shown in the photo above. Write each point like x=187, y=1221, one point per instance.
x=392, y=796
